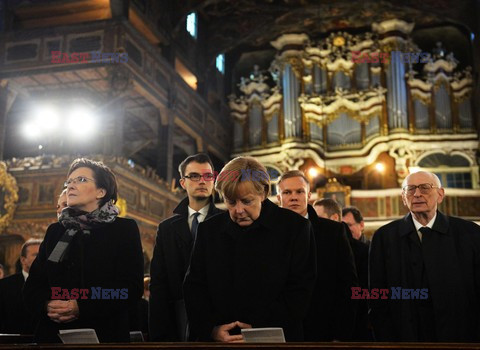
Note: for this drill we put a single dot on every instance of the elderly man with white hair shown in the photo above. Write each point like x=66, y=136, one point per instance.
x=430, y=264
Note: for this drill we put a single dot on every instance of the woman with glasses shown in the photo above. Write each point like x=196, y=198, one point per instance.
x=89, y=269
x=253, y=266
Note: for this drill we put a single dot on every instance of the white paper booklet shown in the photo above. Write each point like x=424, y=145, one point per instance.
x=263, y=335
x=78, y=336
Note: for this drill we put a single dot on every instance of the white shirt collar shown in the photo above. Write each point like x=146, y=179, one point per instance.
x=203, y=212
x=418, y=225
x=25, y=275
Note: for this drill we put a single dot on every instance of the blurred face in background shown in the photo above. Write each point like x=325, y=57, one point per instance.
x=61, y=203
x=27, y=260
x=320, y=210
x=355, y=227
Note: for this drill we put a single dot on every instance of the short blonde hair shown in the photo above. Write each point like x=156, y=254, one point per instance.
x=242, y=170
x=292, y=173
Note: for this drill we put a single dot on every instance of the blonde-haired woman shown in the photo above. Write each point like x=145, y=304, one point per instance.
x=253, y=266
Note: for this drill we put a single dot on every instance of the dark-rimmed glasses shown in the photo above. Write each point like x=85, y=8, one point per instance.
x=424, y=189
x=196, y=177
x=77, y=180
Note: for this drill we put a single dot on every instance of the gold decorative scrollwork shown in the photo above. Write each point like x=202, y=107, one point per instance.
x=122, y=205
x=321, y=122
x=328, y=118
x=462, y=98
x=441, y=80
x=8, y=197
x=426, y=99
x=335, y=190
x=297, y=66
x=339, y=41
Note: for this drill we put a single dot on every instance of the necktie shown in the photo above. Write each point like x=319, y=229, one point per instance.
x=195, y=225
x=425, y=231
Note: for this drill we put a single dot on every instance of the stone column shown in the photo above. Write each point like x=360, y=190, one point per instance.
x=165, y=145
x=7, y=98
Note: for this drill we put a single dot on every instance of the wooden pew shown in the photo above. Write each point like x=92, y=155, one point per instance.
x=217, y=346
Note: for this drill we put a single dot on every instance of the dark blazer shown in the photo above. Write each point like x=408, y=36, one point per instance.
x=171, y=256
x=15, y=318
x=262, y=274
x=360, y=249
x=109, y=257
x=449, y=258
x=332, y=312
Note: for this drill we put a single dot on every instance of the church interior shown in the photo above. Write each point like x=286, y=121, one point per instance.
x=357, y=94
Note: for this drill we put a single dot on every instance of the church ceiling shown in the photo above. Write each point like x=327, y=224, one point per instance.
x=235, y=24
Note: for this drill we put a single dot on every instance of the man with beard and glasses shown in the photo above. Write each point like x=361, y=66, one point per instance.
x=174, y=243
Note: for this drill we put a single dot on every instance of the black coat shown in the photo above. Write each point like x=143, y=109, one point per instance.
x=109, y=257
x=170, y=260
x=332, y=312
x=450, y=260
x=263, y=274
x=360, y=249
x=14, y=316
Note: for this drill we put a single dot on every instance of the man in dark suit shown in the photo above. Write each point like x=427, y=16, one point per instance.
x=15, y=319
x=332, y=312
x=174, y=242
x=430, y=263
x=329, y=209
x=353, y=219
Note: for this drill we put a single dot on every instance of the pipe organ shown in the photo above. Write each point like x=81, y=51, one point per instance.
x=343, y=100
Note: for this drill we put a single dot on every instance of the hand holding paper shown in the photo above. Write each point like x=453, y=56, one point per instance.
x=222, y=333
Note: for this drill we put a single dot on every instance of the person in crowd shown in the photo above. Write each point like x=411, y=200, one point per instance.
x=328, y=208
x=15, y=318
x=430, y=264
x=173, y=246
x=61, y=202
x=139, y=314
x=146, y=288
x=89, y=267
x=144, y=305
x=331, y=314
x=253, y=266
x=354, y=219
x=2, y=271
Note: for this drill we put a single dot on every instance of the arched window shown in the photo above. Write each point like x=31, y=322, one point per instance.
x=274, y=177
x=454, y=171
x=191, y=25
x=220, y=63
